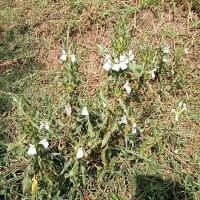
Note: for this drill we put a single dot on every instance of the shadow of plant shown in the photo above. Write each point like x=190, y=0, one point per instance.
x=155, y=188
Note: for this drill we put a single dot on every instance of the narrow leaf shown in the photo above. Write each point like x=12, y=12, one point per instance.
x=26, y=181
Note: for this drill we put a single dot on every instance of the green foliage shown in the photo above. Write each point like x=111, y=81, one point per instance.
x=119, y=161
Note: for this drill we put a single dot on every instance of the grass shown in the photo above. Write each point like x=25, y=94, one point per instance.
x=161, y=161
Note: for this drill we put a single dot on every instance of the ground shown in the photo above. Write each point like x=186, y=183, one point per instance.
x=163, y=162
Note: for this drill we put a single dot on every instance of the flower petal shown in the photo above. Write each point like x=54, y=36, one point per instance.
x=116, y=67
x=122, y=58
x=32, y=150
x=85, y=111
x=73, y=58
x=80, y=153
x=63, y=57
x=45, y=143
x=107, y=66
x=123, y=65
x=123, y=120
x=134, y=128
x=127, y=87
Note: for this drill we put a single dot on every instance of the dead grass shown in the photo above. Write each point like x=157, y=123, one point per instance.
x=91, y=25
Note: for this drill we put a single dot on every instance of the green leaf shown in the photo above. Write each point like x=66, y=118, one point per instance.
x=16, y=144
x=105, y=100
x=18, y=101
x=106, y=138
x=60, y=123
x=83, y=175
x=137, y=69
x=90, y=129
x=108, y=135
x=74, y=170
x=122, y=105
x=26, y=181
x=103, y=156
x=66, y=166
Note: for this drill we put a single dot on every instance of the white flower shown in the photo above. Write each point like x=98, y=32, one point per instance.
x=166, y=50
x=107, y=65
x=68, y=109
x=122, y=58
x=85, y=111
x=116, y=60
x=173, y=110
x=107, y=62
x=123, y=120
x=153, y=73
x=165, y=60
x=184, y=107
x=123, y=65
x=104, y=104
x=32, y=150
x=131, y=55
x=73, y=58
x=176, y=114
x=134, y=128
x=80, y=153
x=127, y=87
x=186, y=50
x=64, y=55
x=126, y=61
x=45, y=143
x=123, y=61
x=44, y=125
x=116, y=67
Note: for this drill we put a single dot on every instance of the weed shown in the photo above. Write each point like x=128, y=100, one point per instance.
x=123, y=142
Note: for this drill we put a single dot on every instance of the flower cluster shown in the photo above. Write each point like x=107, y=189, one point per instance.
x=124, y=121
x=181, y=108
x=64, y=56
x=117, y=64
x=32, y=150
x=44, y=125
x=166, y=50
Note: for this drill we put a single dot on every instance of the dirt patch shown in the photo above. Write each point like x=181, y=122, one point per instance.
x=50, y=59
x=174, y=23
x=91, y=67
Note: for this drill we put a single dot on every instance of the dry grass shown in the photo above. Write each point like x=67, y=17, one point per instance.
x=90, y=24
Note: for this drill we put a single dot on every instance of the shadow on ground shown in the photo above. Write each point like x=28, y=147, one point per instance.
x=155, y=188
